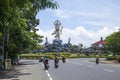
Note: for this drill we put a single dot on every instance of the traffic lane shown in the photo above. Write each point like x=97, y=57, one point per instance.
x=101, y=74
x=70, y=71
x=85, y=60
x=107, y=70
x=88, y=62
x=111, y=67
x=64, y=72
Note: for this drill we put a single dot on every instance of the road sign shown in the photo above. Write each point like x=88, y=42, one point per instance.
x=7, y=64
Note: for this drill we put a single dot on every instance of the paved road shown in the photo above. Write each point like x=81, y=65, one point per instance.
x=82, y=69
x=73, y=69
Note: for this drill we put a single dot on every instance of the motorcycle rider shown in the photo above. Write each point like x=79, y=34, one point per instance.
x=97, y=60
x=56, y=60
x=63, y=59
x=45, y=61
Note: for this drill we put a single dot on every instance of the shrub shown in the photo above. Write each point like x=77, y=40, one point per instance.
x=110, y=58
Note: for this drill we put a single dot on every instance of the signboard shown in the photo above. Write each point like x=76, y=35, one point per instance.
x=7, y=64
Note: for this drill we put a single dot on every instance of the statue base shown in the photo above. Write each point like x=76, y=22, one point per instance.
x=57, y=41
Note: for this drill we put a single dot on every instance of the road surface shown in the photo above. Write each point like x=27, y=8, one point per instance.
x=73, y=69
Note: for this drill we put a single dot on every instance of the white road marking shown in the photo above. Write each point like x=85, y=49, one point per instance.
x=91, y=66
x=117, y=66
x=51, y=79
x=80, y=64
x=75, y=63
x=108, y=70
x=47, y=73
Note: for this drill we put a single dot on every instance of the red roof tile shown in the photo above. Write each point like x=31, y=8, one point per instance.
x=99, y=42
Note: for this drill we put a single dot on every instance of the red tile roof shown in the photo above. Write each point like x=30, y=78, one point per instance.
x=99, y=42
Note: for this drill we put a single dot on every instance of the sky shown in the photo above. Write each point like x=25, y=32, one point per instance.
x=84, y=21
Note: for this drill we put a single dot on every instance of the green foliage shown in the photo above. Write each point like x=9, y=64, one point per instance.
x=0, y=35
x=65, y=54
x=113, y=42
x=18, y=24
x=110, y=57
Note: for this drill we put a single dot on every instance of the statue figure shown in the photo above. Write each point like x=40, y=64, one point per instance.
x=58, y=29
x=69, y=40
x=46, y=40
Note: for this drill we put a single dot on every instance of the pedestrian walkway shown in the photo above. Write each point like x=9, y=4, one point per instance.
x=7, y=74
x=26, y=70
x=17, y=72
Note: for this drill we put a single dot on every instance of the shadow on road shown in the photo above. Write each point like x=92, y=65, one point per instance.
x=14, y=72
x=27, y=63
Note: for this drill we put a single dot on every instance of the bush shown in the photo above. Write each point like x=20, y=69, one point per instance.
x=117, y=58
x=110, y=58
x=51, y=57
x=65, y=54
x=29, y=56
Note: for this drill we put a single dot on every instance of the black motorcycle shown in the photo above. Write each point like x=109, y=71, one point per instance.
x=56, y=63
x=97, y=60
x=63, y=60
x=46, y=65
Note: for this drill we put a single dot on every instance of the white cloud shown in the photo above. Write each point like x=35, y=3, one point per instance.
x=80, y=35
x=100, y=15
x=66, y=14
x=62, y=14
x=96, y=18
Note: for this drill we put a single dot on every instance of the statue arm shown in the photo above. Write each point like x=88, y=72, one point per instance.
x=54, y=33
x=61, y=30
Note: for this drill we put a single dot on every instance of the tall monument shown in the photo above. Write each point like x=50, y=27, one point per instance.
x=58, y=29
x=56, y=45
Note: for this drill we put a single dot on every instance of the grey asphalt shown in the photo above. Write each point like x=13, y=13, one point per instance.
x=82, y=69
x=73, y=69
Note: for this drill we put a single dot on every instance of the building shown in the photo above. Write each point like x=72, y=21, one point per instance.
x=99, y=44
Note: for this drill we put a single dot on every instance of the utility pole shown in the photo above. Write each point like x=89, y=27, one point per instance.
x=3, y=39
x=3, y=49
x=7, y=42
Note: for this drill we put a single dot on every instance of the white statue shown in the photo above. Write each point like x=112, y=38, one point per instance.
x=58, y=29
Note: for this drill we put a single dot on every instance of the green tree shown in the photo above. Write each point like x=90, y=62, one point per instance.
x=113, y=42
x=18, y=24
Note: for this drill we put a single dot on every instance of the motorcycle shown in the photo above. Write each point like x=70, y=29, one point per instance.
x=56, y=62
x=97, y=60
x=46, y=65
x=56, y=65
x=63, y=60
